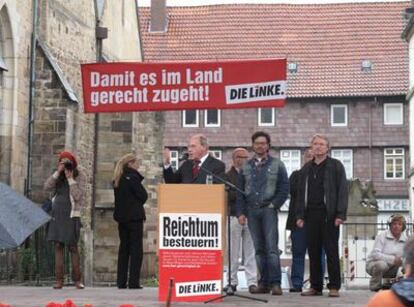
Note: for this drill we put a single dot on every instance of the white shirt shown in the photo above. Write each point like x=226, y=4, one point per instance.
x=203, y=159
x=387, y=247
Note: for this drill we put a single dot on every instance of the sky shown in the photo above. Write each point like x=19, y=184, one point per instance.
x=206, y=2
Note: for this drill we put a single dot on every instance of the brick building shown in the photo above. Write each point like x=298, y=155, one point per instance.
x=407, y=34
x=347, y=78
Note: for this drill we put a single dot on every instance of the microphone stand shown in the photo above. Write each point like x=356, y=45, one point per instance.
x=229, y=291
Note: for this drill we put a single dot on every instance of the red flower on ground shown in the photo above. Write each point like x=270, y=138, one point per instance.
x=68, y=303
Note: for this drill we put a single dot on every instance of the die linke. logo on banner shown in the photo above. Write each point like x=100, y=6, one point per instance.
x=131, y=87
x=190, y=251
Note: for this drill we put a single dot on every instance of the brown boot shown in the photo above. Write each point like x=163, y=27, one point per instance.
x=59, y=269
x=333, y=293
x=276, y=290
x=76, y=272
x=311, y=292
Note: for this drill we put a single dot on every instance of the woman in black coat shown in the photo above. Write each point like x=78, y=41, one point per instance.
x=130, y=197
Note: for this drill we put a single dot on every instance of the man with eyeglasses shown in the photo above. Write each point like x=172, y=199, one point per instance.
x=240, y=234
x=265, y=184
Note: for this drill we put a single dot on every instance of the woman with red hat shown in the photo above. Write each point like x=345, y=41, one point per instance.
x=67, y=185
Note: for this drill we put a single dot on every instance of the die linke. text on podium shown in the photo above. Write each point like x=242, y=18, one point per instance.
x=134, y=87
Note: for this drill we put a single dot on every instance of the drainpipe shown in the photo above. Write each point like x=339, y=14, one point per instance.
x=29, y=172
x=372, y=103
x=101, y=33
x=29, y=175
x=139, y=32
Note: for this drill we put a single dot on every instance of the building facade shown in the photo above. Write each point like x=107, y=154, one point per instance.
x=407, y=34
x=347, y=79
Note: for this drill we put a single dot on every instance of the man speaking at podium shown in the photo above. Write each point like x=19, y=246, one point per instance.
x=196, y=168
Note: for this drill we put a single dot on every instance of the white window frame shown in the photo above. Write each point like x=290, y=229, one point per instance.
x=288, y=160
x=174, y=159
x=333, y=106
x=216, y=153
x=218, y=119
x=190, y=125
x=401, y=119
x=259, y=118
x=393, y=155
x=339, y=155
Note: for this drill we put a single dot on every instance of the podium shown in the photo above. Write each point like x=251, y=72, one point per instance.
x=190, y=246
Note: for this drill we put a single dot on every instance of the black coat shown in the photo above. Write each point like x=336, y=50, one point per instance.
x=335, y=188
x=293, y=184
x=184, y=174
x=130, y=197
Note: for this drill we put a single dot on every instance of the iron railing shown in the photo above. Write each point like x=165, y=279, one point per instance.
x=32, y=263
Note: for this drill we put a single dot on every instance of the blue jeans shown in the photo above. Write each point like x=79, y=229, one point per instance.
x=298, y=237
x=264, y=231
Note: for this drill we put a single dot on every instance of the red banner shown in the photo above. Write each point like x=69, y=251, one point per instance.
x=131, y=87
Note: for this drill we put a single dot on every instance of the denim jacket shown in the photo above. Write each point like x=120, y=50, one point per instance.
x=264, y=187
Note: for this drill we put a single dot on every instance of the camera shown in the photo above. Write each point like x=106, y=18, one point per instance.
x=68, y=165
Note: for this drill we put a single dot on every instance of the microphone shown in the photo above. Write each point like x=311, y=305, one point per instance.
x=183, y=157
x=219, y=179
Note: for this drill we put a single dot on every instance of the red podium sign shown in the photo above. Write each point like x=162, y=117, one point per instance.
x=190, y=251
x=129, y=87
x=191, y=219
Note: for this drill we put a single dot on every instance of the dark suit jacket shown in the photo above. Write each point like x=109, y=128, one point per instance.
x=232, y=176
x=184, y=174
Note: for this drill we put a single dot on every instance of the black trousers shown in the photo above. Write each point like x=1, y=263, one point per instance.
x=321, y=232
x=130, y=253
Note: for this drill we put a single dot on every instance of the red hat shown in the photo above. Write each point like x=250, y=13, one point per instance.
x=70, y=156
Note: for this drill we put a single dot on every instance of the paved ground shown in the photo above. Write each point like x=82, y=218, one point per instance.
x=20, y=296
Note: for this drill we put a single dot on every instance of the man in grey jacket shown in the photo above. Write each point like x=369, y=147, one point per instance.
x=321, y=205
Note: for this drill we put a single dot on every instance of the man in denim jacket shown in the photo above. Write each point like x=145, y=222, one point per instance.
x=265, y=184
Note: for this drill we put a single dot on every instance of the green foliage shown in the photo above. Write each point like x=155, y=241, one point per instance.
x=150, y=282
x=27, y=262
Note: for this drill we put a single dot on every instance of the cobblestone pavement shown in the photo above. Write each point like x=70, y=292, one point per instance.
x=20, y=296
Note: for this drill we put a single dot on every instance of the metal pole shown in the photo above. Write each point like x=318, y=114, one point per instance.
x=29, y=175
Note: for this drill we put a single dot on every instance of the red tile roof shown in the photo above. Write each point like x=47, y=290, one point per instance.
x=328, y=41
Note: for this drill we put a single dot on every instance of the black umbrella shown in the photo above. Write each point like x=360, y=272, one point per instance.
x=19, y=217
